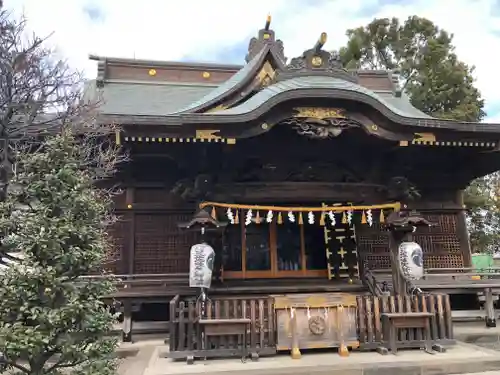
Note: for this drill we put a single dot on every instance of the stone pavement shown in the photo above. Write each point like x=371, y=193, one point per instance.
x=478, y=354
x=476, y=333
x=463, y=358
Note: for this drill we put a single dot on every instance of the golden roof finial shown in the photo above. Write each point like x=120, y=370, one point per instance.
x=268, y=22
x=320, y=43
x=323, y=38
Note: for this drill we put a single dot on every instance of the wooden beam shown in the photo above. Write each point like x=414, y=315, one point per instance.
x=130, y=236
x=296, y=191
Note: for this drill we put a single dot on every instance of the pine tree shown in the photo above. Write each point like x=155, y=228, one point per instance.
x=53, y=321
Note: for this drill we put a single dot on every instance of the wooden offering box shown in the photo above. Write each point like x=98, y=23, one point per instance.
x=312, y=321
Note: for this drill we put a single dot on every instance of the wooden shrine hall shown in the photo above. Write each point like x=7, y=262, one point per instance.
x=306, y=171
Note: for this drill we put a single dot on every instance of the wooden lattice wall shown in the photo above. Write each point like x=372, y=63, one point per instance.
x=441, y=243
x=159, y=245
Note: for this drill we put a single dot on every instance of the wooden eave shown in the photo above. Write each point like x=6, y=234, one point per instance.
x=183, y=121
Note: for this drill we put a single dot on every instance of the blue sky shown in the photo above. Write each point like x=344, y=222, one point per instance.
x=219, y=30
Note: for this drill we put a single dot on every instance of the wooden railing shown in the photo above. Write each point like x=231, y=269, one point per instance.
x=144, y=285
x=373, y=284
x=461, y=277
x=186, y=339
x=370, y=309
x=141, y=279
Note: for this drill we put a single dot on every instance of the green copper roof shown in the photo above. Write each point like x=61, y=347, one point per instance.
x=229, y=85
x=138, y=98
x=400, y=106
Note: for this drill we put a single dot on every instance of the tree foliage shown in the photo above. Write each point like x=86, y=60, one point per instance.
x=50, y=318
x=483, y=219
x=53, y=216
x=436, y=81
x=438, y=84
x=37, y=91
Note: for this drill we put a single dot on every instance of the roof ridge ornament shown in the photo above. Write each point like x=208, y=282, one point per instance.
x=265, y=37
x=318, y=61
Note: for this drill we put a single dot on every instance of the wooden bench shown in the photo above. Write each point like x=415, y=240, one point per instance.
x=227, y=327
x=393, y=322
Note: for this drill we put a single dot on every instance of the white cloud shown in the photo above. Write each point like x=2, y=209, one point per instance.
x=169, y=30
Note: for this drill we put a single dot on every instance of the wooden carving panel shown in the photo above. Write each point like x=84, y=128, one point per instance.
x=441, y=244
x=160, y=246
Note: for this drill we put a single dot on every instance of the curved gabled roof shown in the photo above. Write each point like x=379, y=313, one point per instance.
x=232, y=84
x=398, y=105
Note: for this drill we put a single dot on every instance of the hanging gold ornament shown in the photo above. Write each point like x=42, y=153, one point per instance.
x=322, y=219
x=258, y=220
x=236, y=217
x=363, y=218
x=344, y=218
x=301, y=220
x=214, y=213
x=382, y=218
x=280, y=218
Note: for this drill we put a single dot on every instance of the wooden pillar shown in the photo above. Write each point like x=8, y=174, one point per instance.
x=462, y=231
x=128, y=263
x=398, y=281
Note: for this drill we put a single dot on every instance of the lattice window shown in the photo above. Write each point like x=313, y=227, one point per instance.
x=443, y=261
x=446, y=223
x=382, y=261
x=440, y=243
x=160, y=246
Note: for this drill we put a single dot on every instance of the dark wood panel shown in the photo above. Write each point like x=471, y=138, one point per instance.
x=160, y=246
x=296, y=191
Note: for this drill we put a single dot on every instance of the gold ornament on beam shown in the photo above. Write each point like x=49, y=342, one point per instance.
x=236, y=217
x=301, y=219
x=257, y=219
x=344, y=218
x=214, y=213
x=381, y=217
x=318, y=113
x=280, y=218
x=363, y=218
x=322, y=219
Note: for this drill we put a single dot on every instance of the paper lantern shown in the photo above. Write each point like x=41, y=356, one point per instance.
x=411, y=260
